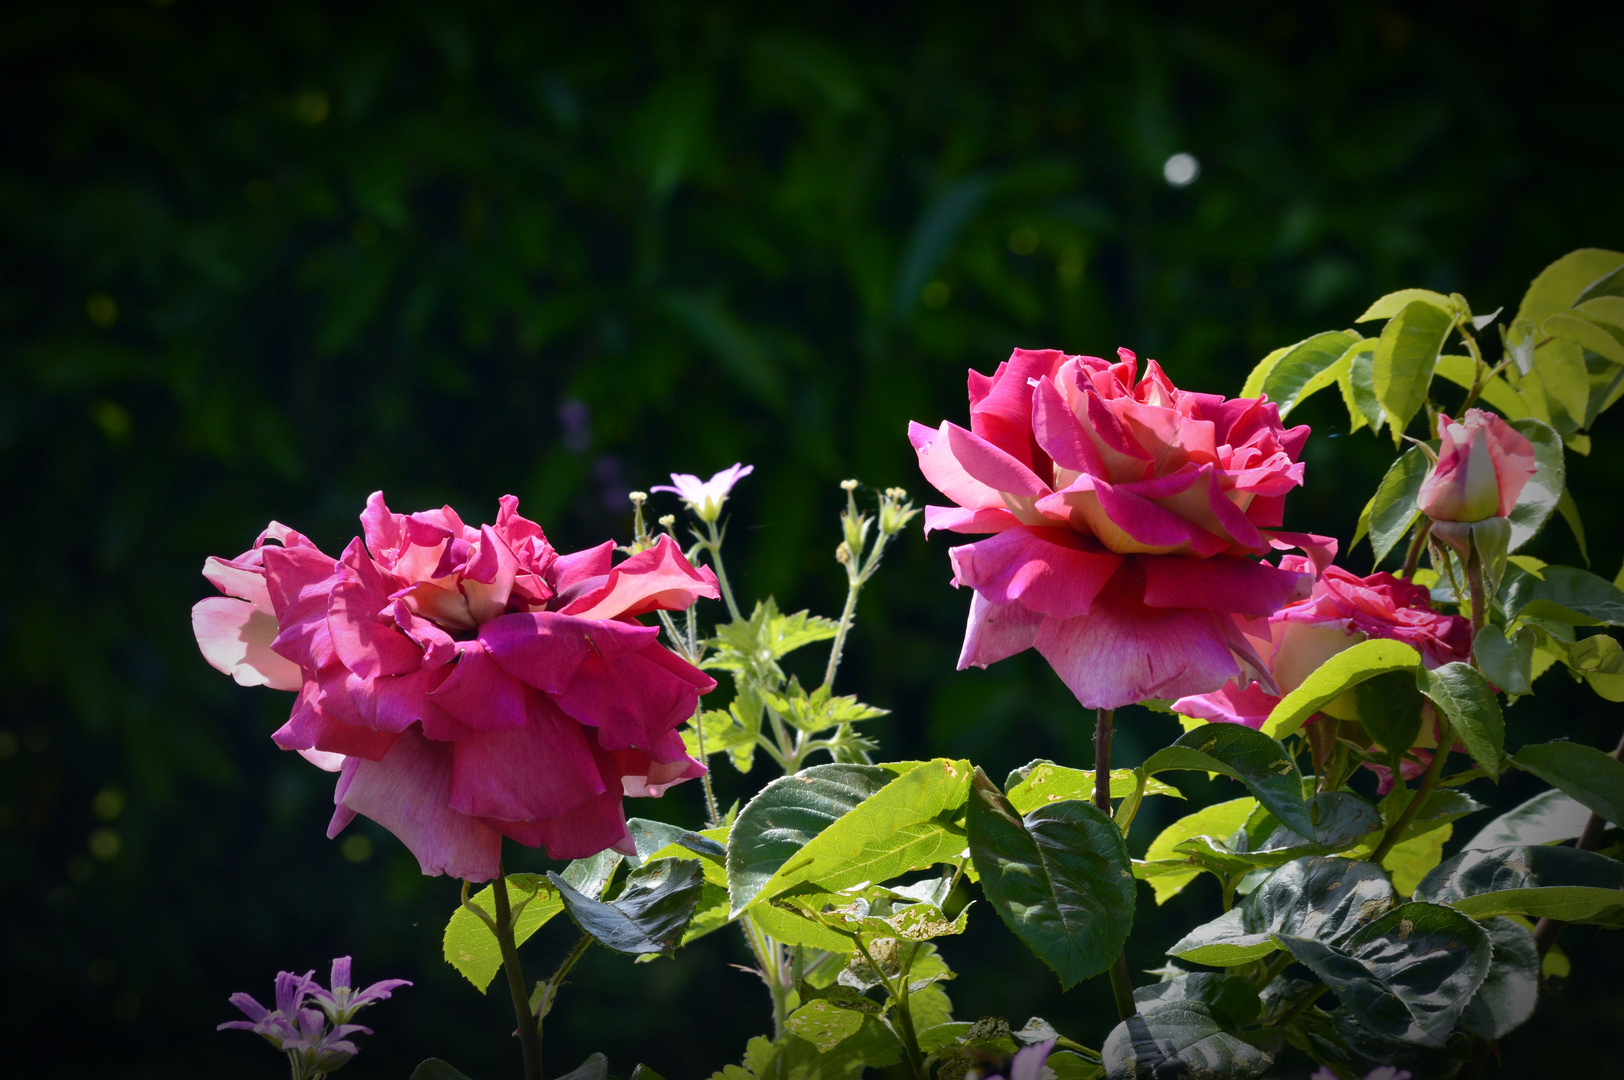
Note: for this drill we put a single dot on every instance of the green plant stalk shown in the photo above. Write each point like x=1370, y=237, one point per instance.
x=1273, y=968
x=1297, y=1009
x=713, y=547
x=1422, y=793
x=529, y=1034
x=899, y=994
x=854, y=585
x=1121, y=980
x=766, y=952
x=548, y=991
x=704, y=759
x=1412, y=558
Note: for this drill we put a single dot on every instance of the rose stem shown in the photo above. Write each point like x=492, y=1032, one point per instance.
x=529, y=1036
x=1121, y=981
x=1422, y=793
x=1546, y=931
x=1413, y=558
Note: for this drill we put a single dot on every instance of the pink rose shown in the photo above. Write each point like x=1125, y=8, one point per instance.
x=467, y=684
x=1127, y=516
x=1342, y=611
x=1483, y=465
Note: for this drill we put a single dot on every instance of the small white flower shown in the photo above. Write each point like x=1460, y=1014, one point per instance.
x=705, y=497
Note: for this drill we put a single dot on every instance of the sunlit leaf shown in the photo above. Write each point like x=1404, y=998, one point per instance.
x=1330, y=680
x=1405, y=355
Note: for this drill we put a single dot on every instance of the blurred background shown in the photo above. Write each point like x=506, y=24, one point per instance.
x=261, y=262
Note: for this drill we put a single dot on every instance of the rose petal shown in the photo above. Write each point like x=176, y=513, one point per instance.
x=531, y=773
x=946, y=473
x=1225, y=583
x=995, y=633
x=633, y=699
x=235, y=637
x=1047, y=570
x=659, y=578
x=595, y=825
x=544, y=648
x=480, y=694
x=1230, y=704
x=960, y=520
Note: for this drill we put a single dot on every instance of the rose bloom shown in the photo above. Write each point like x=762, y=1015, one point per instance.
x=1483, y=465
x=466, y=684
x=1128, y=516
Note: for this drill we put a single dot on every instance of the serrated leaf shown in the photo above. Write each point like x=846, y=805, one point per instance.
x=824, y=1024
x=1582, y=772
x=1045, y=782
x=1389, y=708
x=1537, y=880
x=1185, y=1038
x=1358, y=388
x=1219, y=820
x=1544, y=491
x=1395, y=302
x=817, y=711
x=1508, y=663
x=1507, y=997
x=1251, y=757
x=1548, y=818
x=756, y=644
x=1336, y=676
x=651, y=912
x=906, y=825
x=1565, y=594
x=1324, y=898
x=1562, y=283
x=1406, y=353
x=1059, y=878
x=725, y=731
x=1408, y=975
x=469, y=945
x=1394, y=507
x=1307, y=367
x=1369, y=1052
x=1461, y=692
x=786, y=814
x=1253, y=386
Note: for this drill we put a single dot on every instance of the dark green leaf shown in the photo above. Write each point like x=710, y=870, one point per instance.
x=1544, y=492
x=1565, y=594
x=1167, y=873
x=1389, y=707
x=1548, y=818
x=1370, y=1051
x=1462, y=693
x=1393, y=509
x=1405, y=356
x=1324, y=898
x=1233, y=999
x=1535, y=880
x=643, y=1072
x=1406, y=976
x=1508, y=663
x=595, y=1067
x=1059, y=878
x=1185, y=1039
x=1245, y=755
x=786, y=814
x=1507, y=997
x=1586, y=774
x=435, y=1069
x=824, y=1024
x=649, y=915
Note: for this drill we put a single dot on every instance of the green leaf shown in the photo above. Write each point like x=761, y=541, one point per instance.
x=1507, y=997
x=1340, y=819
x=1539, y=881
x=754, y=645
x=1045, y=782
x=1463, y=371
x=1219, y=820
x=1368, y=1051
x=1570, y=513
x=435, y=1069
x=1562, y=283
x=1412, y=860
x=1245, y=755
x=1336, y=676
x=1585, y=334
x=1405, y=356
x=1509, y=664
x=1389, y=708
x=595, y=1067
x=817, y=711
x=1548, y=818
x=1324, y=898
x=1544, y=491
x=1231, y=997
x=1308, y=367
x=1408, y=975
x=1599, y=660
x=649, y=915
x=1186, y=1027
x=1584, y=773
x=1254, y=379
x=824, y=1024
x=1358, y=386
x=1395, y=302
x=1461, y=692
x=732, y=730
x=906, y=825
x=1394, y=507
x=786, y=814
x=1059, y=878
x=1565, y=594
x=469, y=945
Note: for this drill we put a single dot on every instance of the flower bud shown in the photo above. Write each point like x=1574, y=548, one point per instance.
x=1483, y=465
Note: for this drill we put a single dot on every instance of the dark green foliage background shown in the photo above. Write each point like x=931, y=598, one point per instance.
x=261, y=263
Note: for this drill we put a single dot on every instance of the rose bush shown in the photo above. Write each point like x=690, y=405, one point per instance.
x=467, y=684
x=1128, y=517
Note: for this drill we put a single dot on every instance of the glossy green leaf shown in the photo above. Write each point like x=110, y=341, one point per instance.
x=1340, y=819
x=1253, y=386
x=1059, y=878
x=1570, y=513
x=651, y=912
x=1232, y=998
x=1188, y=1027
x=1561, y=284
x=1584, y=773
x=1393, y=509
x=1336, y=676
x=1548, y=818
x=1405, y=356
x=1251, y=757
x=1324, y=898
x=1395, y=302
x=1544, y=491
x=1507, y=997
x=1565, y=594
x=1539, y=881
x=785, y=816
x=1508, y=663
x=906, y=825
x=1045, y=782
x=1461, y=692
x=472, y=949
x=1308, y=367
x=1162, y=865
x=1408, y=975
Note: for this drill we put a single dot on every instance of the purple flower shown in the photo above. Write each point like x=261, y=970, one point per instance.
x=705, y=497
x=302, y=1033
x=1028, y=1063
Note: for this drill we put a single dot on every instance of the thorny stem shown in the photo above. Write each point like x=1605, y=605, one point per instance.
x=1422, y=793
x=1412, y=558
x=1546, y=931
x=529, y=1034
x=1121, y=980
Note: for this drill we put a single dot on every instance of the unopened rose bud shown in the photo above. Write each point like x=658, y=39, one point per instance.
x=1483, y=465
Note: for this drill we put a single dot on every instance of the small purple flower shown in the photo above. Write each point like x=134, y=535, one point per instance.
x=1028, y=1063
x=705, y=497
x=302, y=1033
